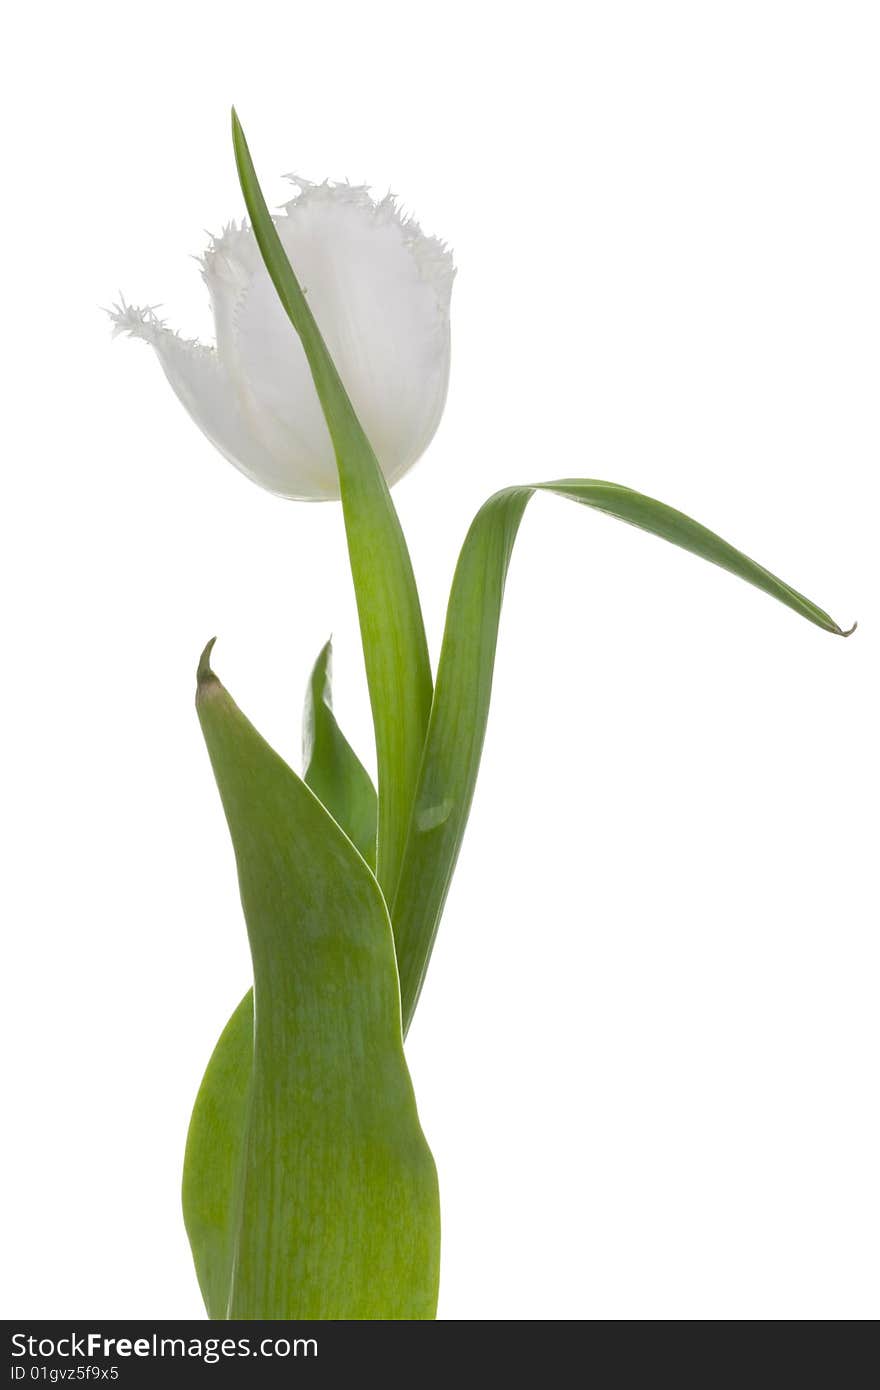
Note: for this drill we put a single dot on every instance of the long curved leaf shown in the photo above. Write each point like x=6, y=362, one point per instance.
x=336, y=1201
x=464, y=682
x=392, y=630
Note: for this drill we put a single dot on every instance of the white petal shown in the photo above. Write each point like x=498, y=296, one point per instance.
x=380, y=292
x=282, y=411
x=204, y=387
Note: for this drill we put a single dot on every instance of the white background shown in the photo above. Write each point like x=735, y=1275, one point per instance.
x=646, y=1057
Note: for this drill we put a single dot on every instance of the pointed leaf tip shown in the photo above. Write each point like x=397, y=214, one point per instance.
x=204, y=674
x=849, y=631
x=239, y=142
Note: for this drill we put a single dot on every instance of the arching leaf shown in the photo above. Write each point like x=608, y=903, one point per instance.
x=464, y=682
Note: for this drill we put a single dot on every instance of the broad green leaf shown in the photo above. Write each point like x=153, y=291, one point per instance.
x=392, y=630
x=336, y=1201
x=464, y=682
x=214, y=1142
x=332, y=768
x=213, y=1156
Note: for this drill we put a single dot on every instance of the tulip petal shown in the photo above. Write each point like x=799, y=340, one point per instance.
x=380, y=290
x=204, y=386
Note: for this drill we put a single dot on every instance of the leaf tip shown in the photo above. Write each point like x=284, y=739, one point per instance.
x=204, y=675
x=239, y=141
x=849, y=631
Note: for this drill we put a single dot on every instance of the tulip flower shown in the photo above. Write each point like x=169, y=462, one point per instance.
x=379, y=287
x=309, y=1187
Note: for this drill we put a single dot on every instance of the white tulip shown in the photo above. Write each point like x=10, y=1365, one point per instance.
x=380, y=291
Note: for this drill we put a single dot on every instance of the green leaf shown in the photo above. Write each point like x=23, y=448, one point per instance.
x=213, y=1157
x=332, y=768
x=337, y=1212
x=214, y=1142
x=464, y=682
x=393, y=634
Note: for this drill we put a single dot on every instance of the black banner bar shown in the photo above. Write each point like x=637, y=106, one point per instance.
x=92, y=1352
